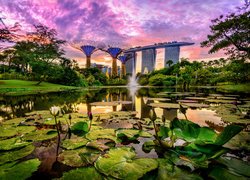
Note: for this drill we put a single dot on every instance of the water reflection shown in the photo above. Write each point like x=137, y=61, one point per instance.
x=17, y=106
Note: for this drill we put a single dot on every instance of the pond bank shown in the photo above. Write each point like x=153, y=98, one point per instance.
x=21, y=87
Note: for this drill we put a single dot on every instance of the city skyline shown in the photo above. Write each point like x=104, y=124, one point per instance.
x=129, y=23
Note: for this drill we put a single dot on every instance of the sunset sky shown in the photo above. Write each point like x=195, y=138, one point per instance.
x=125, y=22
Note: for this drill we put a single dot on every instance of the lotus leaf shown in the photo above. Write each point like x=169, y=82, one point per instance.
x=121, y=163
x=41, y=135
x=15, y=121
x=236, y=166
x=196, y=105
x=165, y=105
x=219, y=173
x=20, y=171
x=167, y=170
x=25, y=129
x=79, y=157
x=74, y=143
x=80, y=128
x=83, y=174
x=101, y=144
x=12, y=143
x=148, y=146
x=102, y=134
x=127, y=134
x=14, y=155
x=104, y=104
x=196, y=98
x=7, y=131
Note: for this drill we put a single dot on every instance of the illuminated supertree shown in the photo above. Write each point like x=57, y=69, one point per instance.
x=88, y=49
x=114, y=52
x=124, y=59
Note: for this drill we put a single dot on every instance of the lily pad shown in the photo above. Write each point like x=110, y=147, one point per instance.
x=222, y=101
x=74, y=143
x=187, y=101
x=158, y=99
x=121, y=163
x=83, y=174
x=80, y=128
x=167, y=170
x=102, y=134
x=12, y=143
x=196, y=105
x=14, y=155
x=104, y=104
x=101, y=144
x=7, y=131
x=196, y=98
x=20, y=171
x=15, y=121
x=165, y=105
x=79, y=157
x=41, y=135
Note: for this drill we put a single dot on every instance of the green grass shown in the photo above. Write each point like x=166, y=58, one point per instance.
x=20, y=87
x=245, y=88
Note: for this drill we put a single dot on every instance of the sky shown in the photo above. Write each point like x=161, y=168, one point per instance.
x=124, y=23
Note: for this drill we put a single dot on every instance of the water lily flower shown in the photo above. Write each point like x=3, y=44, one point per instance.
x=54, y=110
x=90, y=116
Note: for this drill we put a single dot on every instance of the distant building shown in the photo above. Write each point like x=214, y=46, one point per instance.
x=172, y=53
x=148, y=60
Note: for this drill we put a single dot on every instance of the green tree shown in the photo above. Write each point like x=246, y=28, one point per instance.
x=231, y=33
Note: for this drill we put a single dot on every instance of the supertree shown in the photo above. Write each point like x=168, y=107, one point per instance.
x=88, y=49
x=114, y=52
x=124, y=58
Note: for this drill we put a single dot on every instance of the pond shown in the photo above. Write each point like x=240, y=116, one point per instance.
x=122, y=127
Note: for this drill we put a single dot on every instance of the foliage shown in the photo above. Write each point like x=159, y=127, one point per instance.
x=116, y=81
x=230, y=33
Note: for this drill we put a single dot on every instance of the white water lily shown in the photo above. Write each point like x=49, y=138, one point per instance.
x=54, y=110
x=152, y=115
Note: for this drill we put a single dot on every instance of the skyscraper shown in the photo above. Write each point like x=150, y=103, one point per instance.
x=172, y=53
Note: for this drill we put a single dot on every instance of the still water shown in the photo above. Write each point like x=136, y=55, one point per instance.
x=16, y=106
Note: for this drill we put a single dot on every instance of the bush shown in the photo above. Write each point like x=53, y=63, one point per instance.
x=143, y=80
x=162, y=80
x=116, y=81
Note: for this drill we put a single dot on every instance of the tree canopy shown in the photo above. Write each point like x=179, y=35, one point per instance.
x=231, y=33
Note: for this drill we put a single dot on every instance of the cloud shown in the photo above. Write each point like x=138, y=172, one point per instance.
x=135, y=22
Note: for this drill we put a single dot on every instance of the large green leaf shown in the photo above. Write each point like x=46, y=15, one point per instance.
x=228, y=133
x=236, y=166
x=219, y=173
x=102, y=134
x=101, y=144
x=41, y=135
x=121, y=163
x=74, y=143
x=80, y=128
x=19, y=171
x=12, y=143
x=14, y=155
x=163, y=132
x=82, y=174
x=167, y=170
x=185, y=129
x=7, y=131
x=79, y=157
x=206, y=135
x=127, y=134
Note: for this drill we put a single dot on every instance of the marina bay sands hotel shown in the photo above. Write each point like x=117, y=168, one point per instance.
x=148, y=55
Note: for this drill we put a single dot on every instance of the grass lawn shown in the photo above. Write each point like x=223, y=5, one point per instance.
x=20, y=87
x=245, y=88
